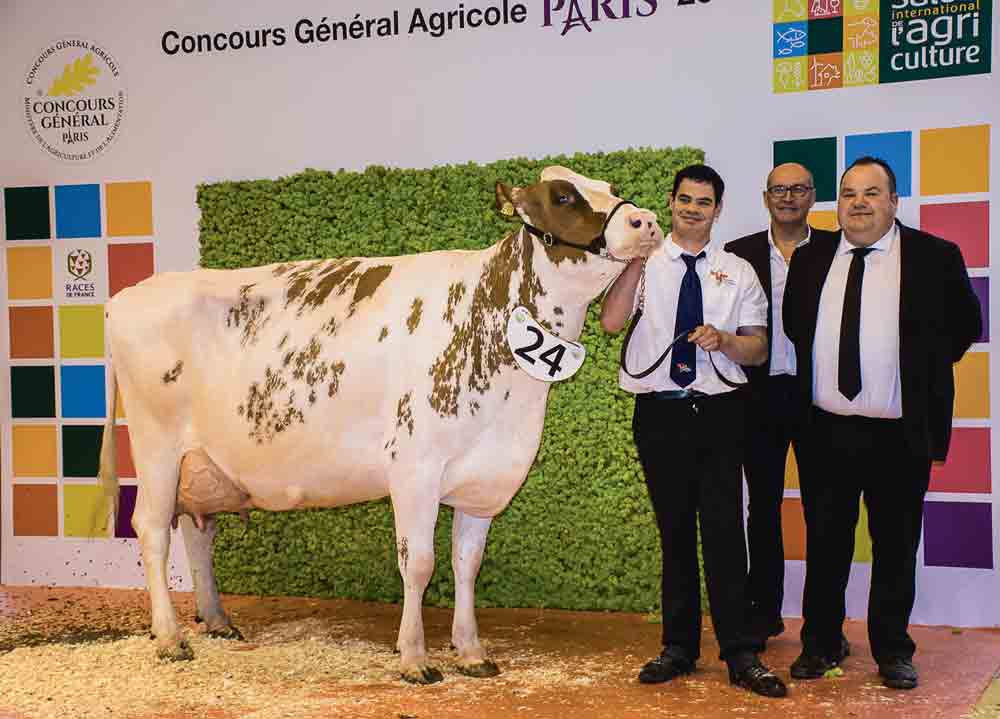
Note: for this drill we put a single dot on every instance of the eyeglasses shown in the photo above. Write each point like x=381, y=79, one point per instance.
x=799, y=191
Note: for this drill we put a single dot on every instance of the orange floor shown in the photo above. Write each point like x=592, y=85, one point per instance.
x=955, y=666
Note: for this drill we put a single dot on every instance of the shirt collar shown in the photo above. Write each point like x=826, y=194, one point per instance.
x=805, y=241
x=884, y=244
x=674, y=250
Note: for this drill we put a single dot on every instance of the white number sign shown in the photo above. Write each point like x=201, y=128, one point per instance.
x=539, y=352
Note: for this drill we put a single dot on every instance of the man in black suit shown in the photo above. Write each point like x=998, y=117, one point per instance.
x=878, y=316
x=788, y=196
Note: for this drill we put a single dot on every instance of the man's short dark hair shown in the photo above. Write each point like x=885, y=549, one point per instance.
x=700, y=173
x=869, y=160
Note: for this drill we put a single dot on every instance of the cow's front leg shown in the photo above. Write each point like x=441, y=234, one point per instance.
x=415, y=510
x=199, y=550
x=468, y=539
x=154, y=508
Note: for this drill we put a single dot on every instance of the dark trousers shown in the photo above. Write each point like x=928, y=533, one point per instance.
x=691, y=452
x=858, y=457
x=771, y=427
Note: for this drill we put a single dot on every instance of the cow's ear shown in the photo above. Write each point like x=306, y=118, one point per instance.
x=505, y=201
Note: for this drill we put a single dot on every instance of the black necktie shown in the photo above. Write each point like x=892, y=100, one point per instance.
x=690, y=314
x=849, y=362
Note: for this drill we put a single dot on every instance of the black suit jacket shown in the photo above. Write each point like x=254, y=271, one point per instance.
x=939, y=318
x=756, y=250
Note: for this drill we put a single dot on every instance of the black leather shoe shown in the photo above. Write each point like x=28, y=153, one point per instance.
x=758, y=679
x=845, y=648
x=898, y=674
x=811, y=666
x=664, y=668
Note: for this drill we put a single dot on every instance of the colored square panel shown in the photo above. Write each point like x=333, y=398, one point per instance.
x=955, y=160
x=790, y=75
x=790, y=10
x=32, y=392
x=824, y=220
x=791, y=470
x=860, y=7
x=81, y=331
x=826, y=36
x=34, y=450
x=129, y=264
x=862, y=539
x=81, y=449
x=130, y=208
x=967, y=224
x=819, y=155
x=968, y=466
x=29, y=273
x=123, y=452
x=972, y=386
x=861, y=33
x=819, y=9
x=958, y=534
x=26, y=213
x=82, y=391
x=85, y=511
x=126, y=508
x=789, y=39
x=31, y=333
x=826, y=71
x=860, y=67
x=81, y=272
x=981, y=286
x=36, y=510
x=78, y=211
x=896, y=148
x=793, y=528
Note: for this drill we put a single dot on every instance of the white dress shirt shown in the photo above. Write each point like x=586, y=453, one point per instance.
x=782, y=349
x=731, y=298
x=881, y=393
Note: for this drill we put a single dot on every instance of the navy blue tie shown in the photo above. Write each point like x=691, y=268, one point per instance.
x=689, y=315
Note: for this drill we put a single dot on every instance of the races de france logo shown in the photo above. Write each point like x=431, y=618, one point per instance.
x=79, y=263
x=74, y=99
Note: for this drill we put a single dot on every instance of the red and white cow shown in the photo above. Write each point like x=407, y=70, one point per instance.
x=322, y=383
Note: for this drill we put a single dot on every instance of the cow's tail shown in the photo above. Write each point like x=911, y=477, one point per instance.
x=108, y=474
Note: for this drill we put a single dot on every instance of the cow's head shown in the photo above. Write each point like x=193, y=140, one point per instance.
x=574, y=213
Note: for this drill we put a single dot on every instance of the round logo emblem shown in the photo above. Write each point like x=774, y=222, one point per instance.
x=74, y=99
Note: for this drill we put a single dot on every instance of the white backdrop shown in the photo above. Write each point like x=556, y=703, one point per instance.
x=697, y=74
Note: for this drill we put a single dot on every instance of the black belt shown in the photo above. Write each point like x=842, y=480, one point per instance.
x=676, y=394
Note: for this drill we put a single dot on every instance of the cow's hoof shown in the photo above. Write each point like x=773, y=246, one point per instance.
x=481, y=670
x=181, y=652
x=422, y=675
x=227, y=632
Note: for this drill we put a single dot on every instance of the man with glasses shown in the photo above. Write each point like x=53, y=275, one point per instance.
x=877, y=318
x=771, y=427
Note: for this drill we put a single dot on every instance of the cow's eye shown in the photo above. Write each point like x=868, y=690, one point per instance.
x=563, y=199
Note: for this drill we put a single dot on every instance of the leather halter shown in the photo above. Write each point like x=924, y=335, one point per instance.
x=598, y=246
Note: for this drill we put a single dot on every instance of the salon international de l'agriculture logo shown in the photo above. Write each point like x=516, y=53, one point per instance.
x=74, y=99
x=824, y=44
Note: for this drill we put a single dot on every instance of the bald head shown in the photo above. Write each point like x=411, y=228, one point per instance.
x=798, y=174
x=788, y=196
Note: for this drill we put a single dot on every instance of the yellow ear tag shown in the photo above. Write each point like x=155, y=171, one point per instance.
x=507, y=210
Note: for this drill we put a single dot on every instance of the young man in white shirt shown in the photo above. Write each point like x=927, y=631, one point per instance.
x=689, y=423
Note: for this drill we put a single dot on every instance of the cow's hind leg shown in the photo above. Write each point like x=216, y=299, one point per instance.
x=154, y=510
x=199, y=550
x=415, y=510
x=468, y=539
